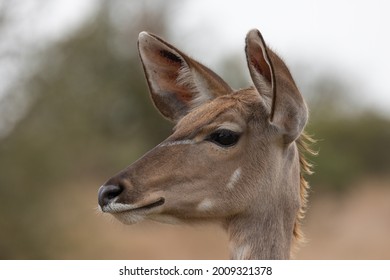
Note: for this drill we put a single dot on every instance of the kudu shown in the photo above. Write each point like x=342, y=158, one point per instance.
x=233, y=158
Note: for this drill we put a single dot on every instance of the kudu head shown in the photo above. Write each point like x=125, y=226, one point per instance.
x=231, y=154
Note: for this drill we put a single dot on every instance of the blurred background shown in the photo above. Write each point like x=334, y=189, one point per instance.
x=74, y=110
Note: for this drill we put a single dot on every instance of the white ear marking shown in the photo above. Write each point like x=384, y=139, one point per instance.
x=196, y=84
x=234, y=178
x=185, y=78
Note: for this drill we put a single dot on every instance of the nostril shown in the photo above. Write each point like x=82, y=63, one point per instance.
x=108, y=193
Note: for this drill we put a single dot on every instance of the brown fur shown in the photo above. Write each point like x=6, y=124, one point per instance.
x=254, y=186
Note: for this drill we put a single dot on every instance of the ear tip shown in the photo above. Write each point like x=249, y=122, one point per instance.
x=143, y=35
x=254, y=30
x=254, y=34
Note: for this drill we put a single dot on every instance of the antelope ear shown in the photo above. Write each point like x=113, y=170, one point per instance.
x=272, y=79
x=176, y=82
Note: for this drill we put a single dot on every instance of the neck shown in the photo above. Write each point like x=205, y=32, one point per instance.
x=265, y=230
x=259, y=237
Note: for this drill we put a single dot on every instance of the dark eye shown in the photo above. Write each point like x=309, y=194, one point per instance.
x=224, y=137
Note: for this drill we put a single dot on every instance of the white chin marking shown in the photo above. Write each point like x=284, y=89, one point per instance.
x=205, y=205
x=114, y=207
x=234, y=178
x=123, y=212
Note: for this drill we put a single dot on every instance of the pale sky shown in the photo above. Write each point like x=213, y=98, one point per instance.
x=349, y=39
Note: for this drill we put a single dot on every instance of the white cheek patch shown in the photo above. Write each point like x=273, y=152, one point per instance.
x=174, y=143
x=234, y=178
x=205, y=205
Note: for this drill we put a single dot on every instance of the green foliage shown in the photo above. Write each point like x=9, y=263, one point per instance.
x=91, y=116
x=350, y=149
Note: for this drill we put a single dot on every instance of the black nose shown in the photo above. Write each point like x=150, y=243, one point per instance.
x=108, y=193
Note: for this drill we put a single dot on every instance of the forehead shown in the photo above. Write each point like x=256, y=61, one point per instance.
x=235, y=108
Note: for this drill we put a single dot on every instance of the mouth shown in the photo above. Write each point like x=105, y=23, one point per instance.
x=149, y=206
x=116, y=208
